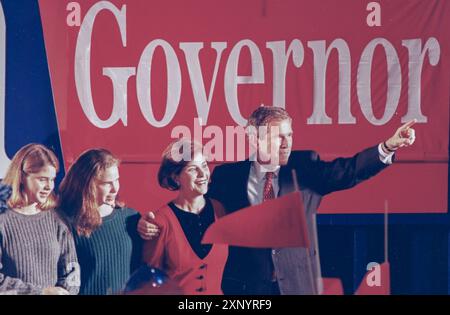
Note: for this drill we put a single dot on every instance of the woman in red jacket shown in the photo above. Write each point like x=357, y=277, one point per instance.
x=178, y=251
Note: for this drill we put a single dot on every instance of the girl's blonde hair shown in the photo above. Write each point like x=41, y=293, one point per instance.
x=30, y=159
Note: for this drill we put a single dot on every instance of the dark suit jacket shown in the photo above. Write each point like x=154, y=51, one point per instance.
x=248, y=269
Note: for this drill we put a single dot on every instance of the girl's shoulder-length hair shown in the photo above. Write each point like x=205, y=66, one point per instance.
x=30, y=159
x=78, y=192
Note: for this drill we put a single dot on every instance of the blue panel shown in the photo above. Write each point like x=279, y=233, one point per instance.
x=30, y=113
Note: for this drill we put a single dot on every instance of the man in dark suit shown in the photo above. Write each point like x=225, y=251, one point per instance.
x=269, y=174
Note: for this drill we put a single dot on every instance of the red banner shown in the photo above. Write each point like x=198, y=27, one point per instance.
x=127, y=74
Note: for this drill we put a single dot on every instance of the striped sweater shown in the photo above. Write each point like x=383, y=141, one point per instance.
x=36, y=251
x=110, y=254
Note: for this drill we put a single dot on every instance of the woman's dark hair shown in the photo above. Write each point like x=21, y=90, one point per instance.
x=174, y=158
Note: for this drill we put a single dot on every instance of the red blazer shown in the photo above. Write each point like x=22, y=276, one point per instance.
x=172, y=253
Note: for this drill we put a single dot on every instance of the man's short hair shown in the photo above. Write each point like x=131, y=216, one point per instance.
x=264, y=115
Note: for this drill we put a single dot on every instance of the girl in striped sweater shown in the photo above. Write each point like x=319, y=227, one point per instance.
x=106, y=239
x=37, y=253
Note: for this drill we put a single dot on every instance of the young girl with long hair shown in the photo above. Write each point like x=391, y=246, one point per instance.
x=106, y=239
x=37, y=252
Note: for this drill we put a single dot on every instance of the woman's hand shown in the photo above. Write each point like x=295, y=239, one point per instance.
x=146, y=227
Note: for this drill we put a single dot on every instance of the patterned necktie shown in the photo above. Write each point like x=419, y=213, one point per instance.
x=268, y=192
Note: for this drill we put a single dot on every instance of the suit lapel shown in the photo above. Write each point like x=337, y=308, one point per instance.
x=243, y=172
x=285, y=181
